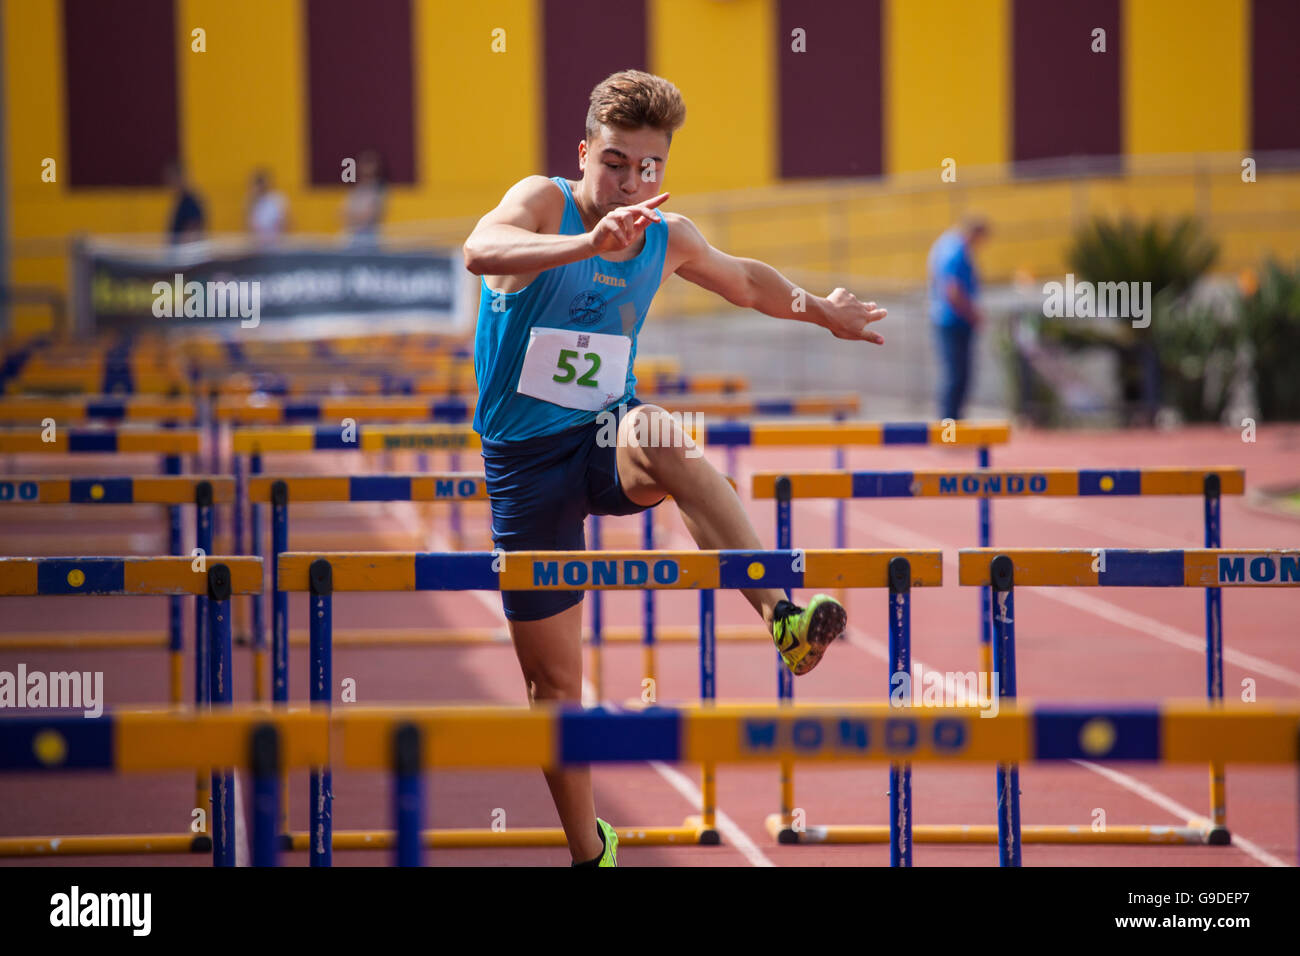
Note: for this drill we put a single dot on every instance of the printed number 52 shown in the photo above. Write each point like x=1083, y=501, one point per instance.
x=588, y=377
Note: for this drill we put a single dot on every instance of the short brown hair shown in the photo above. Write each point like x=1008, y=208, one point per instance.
x=632, y=99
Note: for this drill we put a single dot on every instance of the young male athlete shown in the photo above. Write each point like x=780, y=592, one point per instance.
x=569, y=270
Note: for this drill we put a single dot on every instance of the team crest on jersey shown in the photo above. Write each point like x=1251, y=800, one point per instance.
x=587, y=308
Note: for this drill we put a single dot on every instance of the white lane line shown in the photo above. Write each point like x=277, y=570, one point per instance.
x=1167, y=633
x=898, y=536
x=1152, y=795
x=730, y=830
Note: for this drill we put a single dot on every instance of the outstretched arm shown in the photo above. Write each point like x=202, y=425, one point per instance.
x=752, y=284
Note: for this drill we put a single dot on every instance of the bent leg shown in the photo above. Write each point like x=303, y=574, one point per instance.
x=550, y=656
x=671, y=464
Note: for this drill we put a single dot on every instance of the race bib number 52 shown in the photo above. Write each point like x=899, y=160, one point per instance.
x=584, y=370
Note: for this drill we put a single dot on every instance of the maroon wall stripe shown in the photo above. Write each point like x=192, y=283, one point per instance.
x=831, y=118
x=360, y=84
x=1275, y=76
x=584, y=41
x=1066, y=99
x=119, y=61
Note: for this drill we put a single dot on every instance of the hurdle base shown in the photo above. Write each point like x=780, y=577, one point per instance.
x=1218, y=836
x=1195, y=833
x=708, y=836
x=476, y=838
x=779, y=830
x=121, y=845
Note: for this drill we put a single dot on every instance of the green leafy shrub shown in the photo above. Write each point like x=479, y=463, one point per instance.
x=1166, y=360
x=1270, y=322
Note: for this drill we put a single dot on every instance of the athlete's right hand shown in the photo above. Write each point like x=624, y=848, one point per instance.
x=623, y=226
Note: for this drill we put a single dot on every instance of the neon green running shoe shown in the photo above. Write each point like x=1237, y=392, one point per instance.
x=803, y=634
x=610, y=837
x=610, y=856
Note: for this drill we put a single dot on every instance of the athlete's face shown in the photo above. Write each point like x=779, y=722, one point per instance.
x=621, y=166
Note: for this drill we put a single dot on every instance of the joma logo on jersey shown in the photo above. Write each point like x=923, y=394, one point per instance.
x=992, y=485
x=611, y=573
x=894, y=735
x=1265, y=569
x=609, y=280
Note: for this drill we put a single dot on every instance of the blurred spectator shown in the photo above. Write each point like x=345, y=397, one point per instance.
x=364, y=208
x=187, y=220
x=953, y=287
x=267, y=216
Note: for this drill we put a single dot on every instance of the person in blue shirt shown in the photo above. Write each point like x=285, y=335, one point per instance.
x=953, y=287
x=569, y=269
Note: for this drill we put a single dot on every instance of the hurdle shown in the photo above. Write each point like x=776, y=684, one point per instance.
x=407, y=742
x=1208, y=483
x=173, y=491
x=29, y=410
x=242, y=384
x=107, y=377
x=1003, y=569
x=373, y=408
x=123, y=440
x=321, y=575
x=213, y=579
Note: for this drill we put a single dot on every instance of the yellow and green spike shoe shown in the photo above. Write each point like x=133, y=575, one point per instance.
x=803, y=634
x=610, y=856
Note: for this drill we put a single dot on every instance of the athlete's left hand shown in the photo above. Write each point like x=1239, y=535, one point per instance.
x=847, y=318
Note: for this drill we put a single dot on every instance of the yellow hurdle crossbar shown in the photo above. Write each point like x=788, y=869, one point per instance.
x=161, y=490
x=606, y=570
x=63, y=441
x=1001, y=483
x=1125, y=567
x=129, y=576
x=475, y=737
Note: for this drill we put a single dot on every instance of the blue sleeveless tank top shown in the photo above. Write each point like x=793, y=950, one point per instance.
x=591, y=295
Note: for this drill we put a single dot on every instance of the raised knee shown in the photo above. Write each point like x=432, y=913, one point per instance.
x=655, y=439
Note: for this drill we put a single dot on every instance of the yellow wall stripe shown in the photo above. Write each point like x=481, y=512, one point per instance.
x=720, y=55
x=947, y=84
x=463, y=88
x=1172, y=101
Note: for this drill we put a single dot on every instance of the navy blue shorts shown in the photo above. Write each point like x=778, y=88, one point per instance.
x=541, y=491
